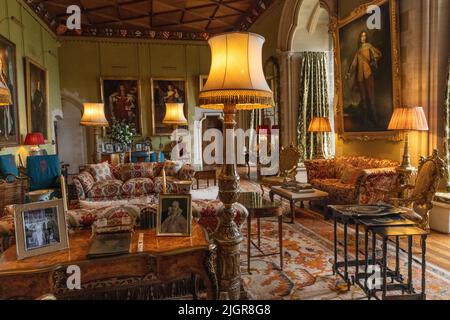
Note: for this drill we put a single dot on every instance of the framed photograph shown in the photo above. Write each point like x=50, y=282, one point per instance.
x=368, y=83
x=9, y=112
x=122, y=99
x=138, y=147
x=40, y=228
x=203, y=78
x=109, y=148
x=174, y=215
x=36, y=79
x=167, y=91
x=119, y=148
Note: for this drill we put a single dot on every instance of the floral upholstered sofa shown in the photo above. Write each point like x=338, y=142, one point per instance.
x=352, y=180
x=99, y=182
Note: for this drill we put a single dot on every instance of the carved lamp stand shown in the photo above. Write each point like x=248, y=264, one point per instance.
x=236, y=82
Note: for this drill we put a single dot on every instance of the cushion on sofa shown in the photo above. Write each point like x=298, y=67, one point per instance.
x=138, y=187
x=100, y=172
x=170, y=186
x=86, y=180
x=106, y=189
x=350, y=175
x=136, y=170
x=338, y=192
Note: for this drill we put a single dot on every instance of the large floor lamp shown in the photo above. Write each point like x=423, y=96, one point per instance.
x=94, y=116
x=236, y=82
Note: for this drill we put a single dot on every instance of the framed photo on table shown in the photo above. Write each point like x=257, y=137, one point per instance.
x=37, y=96
x=174, y=215
x=367, y=77
x=40, y=228
x=167, y=90
x=122, y=99
x=9, y=112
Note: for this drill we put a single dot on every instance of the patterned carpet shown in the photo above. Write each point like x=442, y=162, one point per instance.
x=308, y=259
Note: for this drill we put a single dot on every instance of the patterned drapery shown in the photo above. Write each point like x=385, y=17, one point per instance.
x=314, y=102
x=447, y=128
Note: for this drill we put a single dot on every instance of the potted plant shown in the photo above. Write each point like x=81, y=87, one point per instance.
x=123, y=133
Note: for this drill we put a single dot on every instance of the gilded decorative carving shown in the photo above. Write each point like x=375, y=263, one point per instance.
x=335, y=25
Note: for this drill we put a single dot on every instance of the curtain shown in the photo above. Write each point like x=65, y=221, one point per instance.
x=447, y=128
x=314, y=102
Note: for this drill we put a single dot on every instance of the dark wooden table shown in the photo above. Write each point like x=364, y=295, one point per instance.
x=139, y=275
x=259, y=208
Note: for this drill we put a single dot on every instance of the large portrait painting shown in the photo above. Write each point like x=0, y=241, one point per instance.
x=9, y=115
x=121, y=97
x=36, y=78
x=167, y=91
x=367, y=77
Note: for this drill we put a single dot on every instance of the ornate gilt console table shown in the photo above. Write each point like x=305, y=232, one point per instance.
x=167, y=267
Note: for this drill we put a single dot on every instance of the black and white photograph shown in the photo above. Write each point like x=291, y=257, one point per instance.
x=40, y=228
x=174, y=215
x=108, y=148
x=138, y=147
x=119, y=148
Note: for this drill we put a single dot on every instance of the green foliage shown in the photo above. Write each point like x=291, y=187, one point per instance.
x=123, y=132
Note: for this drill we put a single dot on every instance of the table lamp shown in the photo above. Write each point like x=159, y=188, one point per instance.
x=320, y=125
x=94, y=116
x=408, y=119
x=236, y=82
x=34, y=139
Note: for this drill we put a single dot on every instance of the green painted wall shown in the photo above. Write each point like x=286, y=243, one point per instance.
x=84, y=61
x=33, y=40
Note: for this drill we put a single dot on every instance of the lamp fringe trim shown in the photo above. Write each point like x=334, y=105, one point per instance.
x=243, y=99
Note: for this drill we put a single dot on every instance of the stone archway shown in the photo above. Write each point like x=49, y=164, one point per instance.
x=72, y=141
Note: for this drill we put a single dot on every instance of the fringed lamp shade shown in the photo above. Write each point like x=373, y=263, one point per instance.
x=175, y=114
x=409, y=119
x=320, y=124
x=34, y=139
x=94, y=115
x=236, y=76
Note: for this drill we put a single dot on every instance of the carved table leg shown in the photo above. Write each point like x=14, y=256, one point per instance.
x=210, y=268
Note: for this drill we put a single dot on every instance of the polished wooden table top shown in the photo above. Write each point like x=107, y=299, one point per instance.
x=80, y=242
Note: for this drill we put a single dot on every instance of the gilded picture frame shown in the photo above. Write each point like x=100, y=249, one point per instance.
x=37, y=98
x=33, y=241
x=159, y=87
x=338, y=27
x=202, y=81
x=174, y=207
x=107, y=87
x=9, y=115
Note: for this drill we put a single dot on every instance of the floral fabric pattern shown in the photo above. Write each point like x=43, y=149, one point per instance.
x=138, y=187
x=108, y=188
x=136, y=170
x=86, y=180
x=79, y=188
x=100, y=172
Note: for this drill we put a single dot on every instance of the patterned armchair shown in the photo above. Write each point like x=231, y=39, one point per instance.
x=421, y=195
x=352, y=180
x=289, y=158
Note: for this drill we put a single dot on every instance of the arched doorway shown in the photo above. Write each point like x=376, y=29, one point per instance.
x=72, y=147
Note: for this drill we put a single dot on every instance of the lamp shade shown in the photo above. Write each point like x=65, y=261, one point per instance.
x=94, y=115
x=175, y=114
x=409, y=119
x=320, y=124
x=34, y=139
x=236, y=76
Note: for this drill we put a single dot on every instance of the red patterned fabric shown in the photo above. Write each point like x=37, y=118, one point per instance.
x=320, y=169
x=136, y=170
x=138, y=187
x=170, y=186
x=79, y=188
x=186, y=172
x=339, y=193
x=86, y=180
x=373, y=182
x=108, y=188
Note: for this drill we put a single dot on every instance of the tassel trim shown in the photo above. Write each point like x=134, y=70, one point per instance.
x=243, y=99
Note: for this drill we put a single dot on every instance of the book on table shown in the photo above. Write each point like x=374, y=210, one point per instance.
x=110, y=244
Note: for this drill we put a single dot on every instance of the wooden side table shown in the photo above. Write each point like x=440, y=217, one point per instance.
x=260, y=208
x=207, y=175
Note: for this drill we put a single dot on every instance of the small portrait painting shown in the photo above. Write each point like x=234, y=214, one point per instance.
x=174, y=216
x=109, y=148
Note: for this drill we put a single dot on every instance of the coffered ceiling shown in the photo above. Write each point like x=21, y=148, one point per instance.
x=165, y=19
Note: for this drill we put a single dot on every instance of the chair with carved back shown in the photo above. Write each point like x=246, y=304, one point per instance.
x=420, y=196
x=289, y=158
